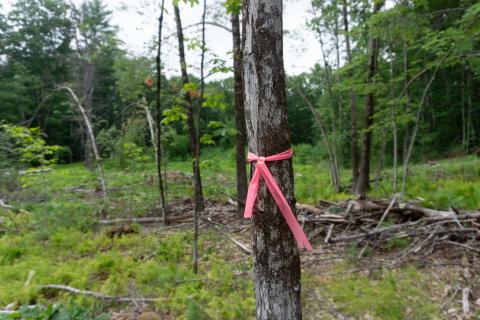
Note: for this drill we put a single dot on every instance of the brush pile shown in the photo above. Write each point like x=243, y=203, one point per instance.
x=412, y=232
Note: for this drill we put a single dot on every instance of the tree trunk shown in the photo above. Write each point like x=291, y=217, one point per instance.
x=93, y=142
x=353, y=103
x=241, y=139
x=158, y=148
x=323, y=131
x=276, y=257
x=406, y=130
x=198, y=205
x=336, y=177
x=469, y=111
x=87, y=95
x=363, y=183
x=192, y=132
x=417, y=122
x=464, y=112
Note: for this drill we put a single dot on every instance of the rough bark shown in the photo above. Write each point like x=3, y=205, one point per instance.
x=240, y=138
x=192, y=133
x=363, y=183
x=158, y=144
x=276, y=257
x=352, y=101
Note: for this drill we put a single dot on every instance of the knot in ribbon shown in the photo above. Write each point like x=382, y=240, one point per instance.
x=261, y=169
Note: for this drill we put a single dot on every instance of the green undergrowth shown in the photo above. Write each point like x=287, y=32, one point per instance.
x=383, y=294
x=51, y=237
x=144, y=265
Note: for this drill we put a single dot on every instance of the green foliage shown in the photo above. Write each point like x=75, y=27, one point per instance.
x=107, y=140
x=133, y=155
x=130, y=75
x=176, y=113
x=178, y=145
x=27, y=146
x=214, y=101
x=233, y=6
x=71, y=311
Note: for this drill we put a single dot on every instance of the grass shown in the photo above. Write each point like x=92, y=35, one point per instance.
x=51, y=238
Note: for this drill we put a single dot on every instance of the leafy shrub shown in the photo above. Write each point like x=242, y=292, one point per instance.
x=107, y=140
x=26, y=146
x=178, y=146
x=132, y=155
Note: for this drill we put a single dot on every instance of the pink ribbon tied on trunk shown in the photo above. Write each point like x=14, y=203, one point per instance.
x=261, y=169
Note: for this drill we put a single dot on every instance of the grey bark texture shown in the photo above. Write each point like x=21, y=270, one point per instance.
x=241, y=136
x=276, y=257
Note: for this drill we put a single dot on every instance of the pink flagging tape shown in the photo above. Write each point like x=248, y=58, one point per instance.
x=262, y=170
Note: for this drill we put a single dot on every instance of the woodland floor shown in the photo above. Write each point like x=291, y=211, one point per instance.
x=54, y=235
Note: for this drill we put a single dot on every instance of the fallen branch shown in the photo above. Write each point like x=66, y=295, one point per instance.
x=131, y=220
x=97, y=295
x=240, y=245
x=93, y=142
x=465, y=301
x=145, y=220
x=4, y=205
x=33, y=171
x=384, y=215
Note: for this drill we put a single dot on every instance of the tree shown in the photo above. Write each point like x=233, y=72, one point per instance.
x=96, y=33
x=276, y=258
x=363, y=182
x=240, y=138
x=193, y=125
x=35, y=45
x=158, y=117
x=352, y=101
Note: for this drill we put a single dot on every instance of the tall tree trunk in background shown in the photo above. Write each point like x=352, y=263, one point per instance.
x=159, y=117
x=464, y=112
x=335, y=170
x=353, y=103
x=406, y=130
x=469, y=111
x=383, y=148
x=92, y=140
x=241, y=138
x=323, y=131
x=276, y=257
x=417, y=123
x=198, y=205
x=192, y=132
x=338, y=80
x=363, y=183
x=87, y=97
